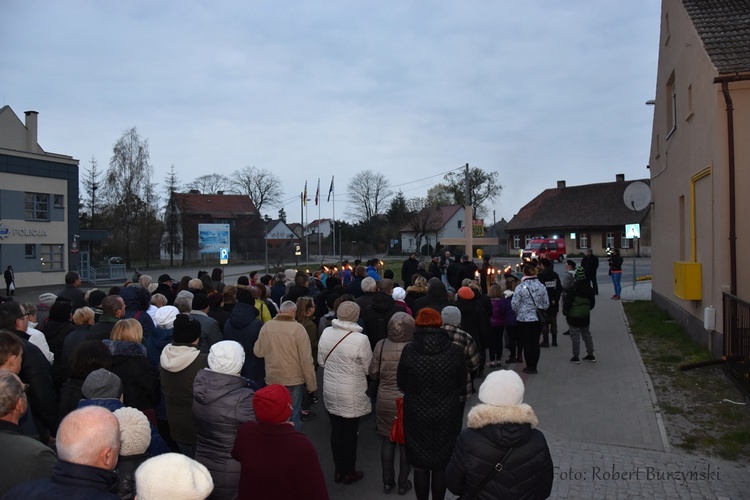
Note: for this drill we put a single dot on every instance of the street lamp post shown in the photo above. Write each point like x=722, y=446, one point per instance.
x=266, y=219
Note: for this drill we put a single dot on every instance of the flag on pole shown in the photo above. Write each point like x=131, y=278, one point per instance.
x=317, y=192
x=304, y=195
x=330, y=190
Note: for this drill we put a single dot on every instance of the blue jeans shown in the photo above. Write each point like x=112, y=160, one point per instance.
x=298, y=393
x=616, y=277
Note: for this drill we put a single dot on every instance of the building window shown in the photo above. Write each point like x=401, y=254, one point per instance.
x=51, y=257
x=30, y=251
x=610, y=240
x=58, y=200
x=460, y=222
x=624, y=241
x=37, y=206
x=671, y=106
x=583, y=240
x=526, y=241
x=516, y=241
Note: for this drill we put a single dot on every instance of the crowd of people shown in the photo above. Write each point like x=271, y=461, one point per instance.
x=222, y=376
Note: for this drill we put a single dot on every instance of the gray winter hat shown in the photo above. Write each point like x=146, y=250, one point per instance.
x=348, y=311
x=102, y=384
x=451, y=315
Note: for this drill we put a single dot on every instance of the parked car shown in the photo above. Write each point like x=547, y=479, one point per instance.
x=551, y=248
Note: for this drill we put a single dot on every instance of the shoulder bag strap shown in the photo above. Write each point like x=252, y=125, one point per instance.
x=497, y=468
x=532, y=299
x=334, y=347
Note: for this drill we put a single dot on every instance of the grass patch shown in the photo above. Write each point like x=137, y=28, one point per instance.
x=695, y=403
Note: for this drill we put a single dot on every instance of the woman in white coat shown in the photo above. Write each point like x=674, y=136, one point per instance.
x=344, y=353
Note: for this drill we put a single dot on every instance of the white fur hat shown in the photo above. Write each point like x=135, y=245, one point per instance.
x=226, y=357
x=502, y=388
x=165, y=316
x=135, y=431
x=398, y=293
x=172, y=475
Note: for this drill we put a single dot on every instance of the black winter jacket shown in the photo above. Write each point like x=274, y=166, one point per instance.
x=491, y=432
x=436, y=298
x=139, y=383
x=55, y=333
x=377, y=316
x=431, y=372
x=69, y=481
x=221, y=403
x=35, y=371
x=578, y=303
x=551, y=281
x=243, y=326
x=475, y=321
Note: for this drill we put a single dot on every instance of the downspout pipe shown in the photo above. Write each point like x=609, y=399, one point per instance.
x=725, y=80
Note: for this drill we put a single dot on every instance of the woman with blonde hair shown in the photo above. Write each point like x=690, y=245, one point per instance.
x=417, y=290
x=130, y=363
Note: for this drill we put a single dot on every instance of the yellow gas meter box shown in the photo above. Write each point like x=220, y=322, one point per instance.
x=687, y=280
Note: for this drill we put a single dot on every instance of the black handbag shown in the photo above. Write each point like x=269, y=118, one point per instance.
x=541, y=314
x=372, y=387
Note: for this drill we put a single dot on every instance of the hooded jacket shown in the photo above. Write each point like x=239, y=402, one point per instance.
x=384, y=365
x=137, y=300
x=436, y=298
x=490, y=433
x=431, y=373
x=221, y=402
x=243, y=326
x=345, y=374
x=139, y=383
x=179, y=364
x=377, y=316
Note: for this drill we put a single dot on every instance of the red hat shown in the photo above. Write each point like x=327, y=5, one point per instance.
x=465, y=293
x=273, y=404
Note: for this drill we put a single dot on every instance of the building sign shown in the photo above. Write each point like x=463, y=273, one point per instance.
x=477, y=228
x=632, y=231
x=213, y=237
x=224, y=256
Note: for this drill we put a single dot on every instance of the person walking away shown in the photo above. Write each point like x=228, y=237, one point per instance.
x=529, y=296
x=577, y=306
x=383, y=367
x=615, y=272
x=431, y=372
x=501, y=430
x=590, y=264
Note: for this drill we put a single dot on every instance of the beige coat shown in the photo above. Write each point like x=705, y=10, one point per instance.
x=286, y=348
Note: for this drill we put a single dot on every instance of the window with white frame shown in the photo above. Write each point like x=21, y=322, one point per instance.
x=51, y=256
x=37, y=206
x=516, y=241
x=526, y=242
x=583, y=240
x=624, y=241
x=610, y=240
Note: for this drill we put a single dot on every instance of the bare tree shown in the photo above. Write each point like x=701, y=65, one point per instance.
x=368, y=194
x=483, y=186
x=211, y=184
x=127, y=182
x=424, y=219
x=262, y=186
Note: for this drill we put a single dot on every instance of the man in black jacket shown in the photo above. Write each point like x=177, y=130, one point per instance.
x=35, y=369
x=590, y=264
x=408, y=268
x=551, y=280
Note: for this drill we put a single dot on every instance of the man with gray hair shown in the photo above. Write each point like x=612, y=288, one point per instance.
x=23, y=458
x=285, y=346
x=88, y=444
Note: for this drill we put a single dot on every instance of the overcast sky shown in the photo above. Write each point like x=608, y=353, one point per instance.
x=538, y=91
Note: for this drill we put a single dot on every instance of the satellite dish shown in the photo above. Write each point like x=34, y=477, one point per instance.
x=637, y=196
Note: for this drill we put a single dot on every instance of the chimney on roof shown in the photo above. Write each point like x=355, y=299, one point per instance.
x=620, y=178
x=560, y=184
x=32, y=127
x=194, y=191
x=219, y=192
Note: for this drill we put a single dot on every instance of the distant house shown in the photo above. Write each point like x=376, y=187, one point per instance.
x=186, y=211
x=322, y=226
x=279, y=234
x=700, y=171
x=297, y=229
x=592, y=216
x=434, y=223
x=39, y=228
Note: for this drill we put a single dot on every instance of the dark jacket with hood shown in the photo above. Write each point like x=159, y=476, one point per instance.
x=137, y=299
x=474, y=320
x=490, y=433
x=140, y=386
x=55, y=332
x=35, y=371
x=69, y=480
x=578, y=303
x=377, y=315
x=243, y=326
x=221, y=403
x=166, y=290
x=431, y=373
x=551, y=281
x=436, y=298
